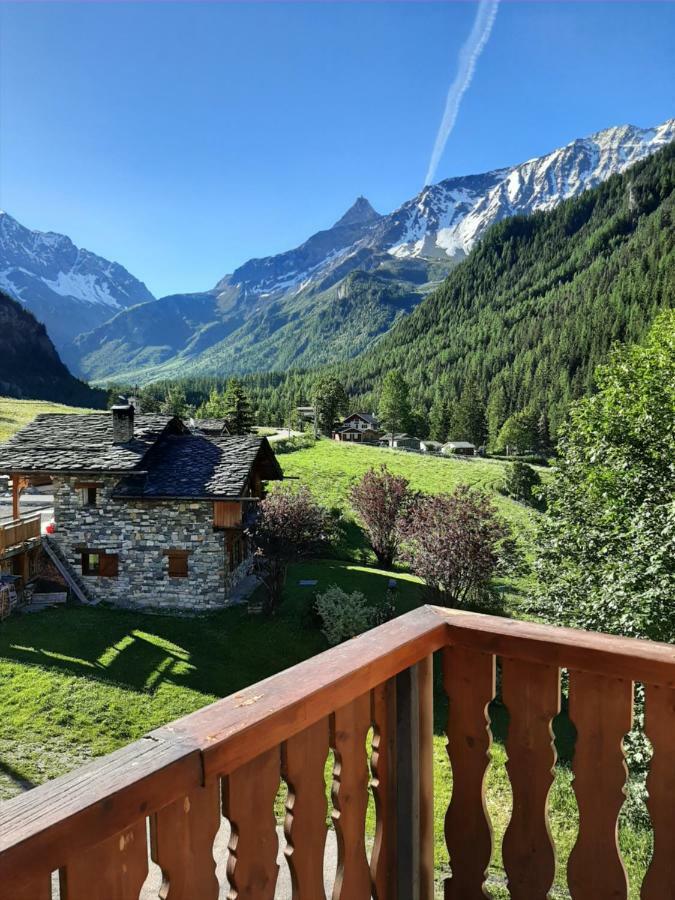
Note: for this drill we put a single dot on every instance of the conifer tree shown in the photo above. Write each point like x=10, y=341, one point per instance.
x=439, y=420
x=237, y=409
x=394, y=407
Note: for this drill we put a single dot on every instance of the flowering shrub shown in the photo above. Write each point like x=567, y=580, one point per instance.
x=452, y=542
x=379, y=499
x=344, y=615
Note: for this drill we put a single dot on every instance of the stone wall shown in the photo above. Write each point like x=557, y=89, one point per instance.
x=139, y=532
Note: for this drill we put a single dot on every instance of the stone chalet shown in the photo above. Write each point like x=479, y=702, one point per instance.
x=146, y=512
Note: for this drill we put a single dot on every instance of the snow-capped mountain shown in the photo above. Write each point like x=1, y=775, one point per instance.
x=69, y=289
x=447, y=219
x=355, y=278
x=444, y=221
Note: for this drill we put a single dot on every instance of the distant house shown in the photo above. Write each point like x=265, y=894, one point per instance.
x=355, y=435
x=359, y=427
x=400, y=441
x=459, y=448
x=431, y=446
x=146, y=512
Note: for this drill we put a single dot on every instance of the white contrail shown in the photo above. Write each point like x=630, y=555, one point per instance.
x=468, y=57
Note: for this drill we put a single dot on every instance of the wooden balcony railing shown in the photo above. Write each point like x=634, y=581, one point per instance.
x=18, y=531
x=92, y=825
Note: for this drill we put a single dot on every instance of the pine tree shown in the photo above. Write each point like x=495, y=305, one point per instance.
x=468, y=421
x=237, y=408
x=497, y=413
x=439, y=419
x=394, y=409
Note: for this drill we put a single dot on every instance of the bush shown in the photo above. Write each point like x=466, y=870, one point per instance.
x=344, y=615
x=522, y=483
x=291, y=444
x=379, y=498
x=451, y=541
x=289, y=526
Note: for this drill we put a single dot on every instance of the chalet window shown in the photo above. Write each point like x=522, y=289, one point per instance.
x=88, y=493
x=178, y=563
x=95, y=562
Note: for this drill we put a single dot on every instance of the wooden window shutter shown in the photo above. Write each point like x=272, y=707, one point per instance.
x=109, y=565
x=178, y=563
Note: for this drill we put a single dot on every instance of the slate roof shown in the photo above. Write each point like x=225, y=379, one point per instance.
x=211, y=427
x=192, y=466
x=67, y=442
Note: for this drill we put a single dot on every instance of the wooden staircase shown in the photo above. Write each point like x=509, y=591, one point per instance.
x=64, y=568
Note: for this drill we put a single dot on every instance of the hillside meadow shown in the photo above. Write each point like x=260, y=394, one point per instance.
x=14, y=414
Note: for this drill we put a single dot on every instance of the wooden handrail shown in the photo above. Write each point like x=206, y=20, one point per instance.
x=105, y=794
x=570, y=648
x=19, y=530
x=180, y=765
x=235, y=730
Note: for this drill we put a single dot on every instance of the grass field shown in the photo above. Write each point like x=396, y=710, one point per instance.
x=14, y=414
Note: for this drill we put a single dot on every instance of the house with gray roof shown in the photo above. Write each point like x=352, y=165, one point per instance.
x=147, y=513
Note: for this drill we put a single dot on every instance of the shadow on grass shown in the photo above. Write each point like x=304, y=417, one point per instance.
x=17, y=779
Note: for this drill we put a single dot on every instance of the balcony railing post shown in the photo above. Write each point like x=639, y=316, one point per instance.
x=414, y=765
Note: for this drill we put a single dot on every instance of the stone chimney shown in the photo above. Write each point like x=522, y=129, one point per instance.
x=123, y=423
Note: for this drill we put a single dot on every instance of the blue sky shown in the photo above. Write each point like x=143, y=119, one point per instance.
x=180, y=139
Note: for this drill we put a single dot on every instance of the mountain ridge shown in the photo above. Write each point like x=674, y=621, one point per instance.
x=259, y=316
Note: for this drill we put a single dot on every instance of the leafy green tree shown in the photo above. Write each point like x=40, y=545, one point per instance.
x=175, y=401
x=607, y=556
x=439, y=419
x=237, y=409
x=468, y=420
x=213, y=408
x=519, y=433
x=394, y=409
x=330, y=401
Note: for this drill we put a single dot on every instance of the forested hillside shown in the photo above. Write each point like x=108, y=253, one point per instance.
x=30, y=366
x=538, y=303
x=533, y=310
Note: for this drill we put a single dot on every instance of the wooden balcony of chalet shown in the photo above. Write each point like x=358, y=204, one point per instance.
x=15, y=535
x=162, y=796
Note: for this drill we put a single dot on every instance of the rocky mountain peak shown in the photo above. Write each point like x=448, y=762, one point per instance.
x=359, y=213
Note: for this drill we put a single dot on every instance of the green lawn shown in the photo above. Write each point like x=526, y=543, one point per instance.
x=14, y=414
x=330, y=468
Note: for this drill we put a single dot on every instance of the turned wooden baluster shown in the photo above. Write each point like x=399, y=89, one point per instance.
x=383, y=766
x=660, y=729
x=115, y=868
x=469, y=679
x=531, y=692
x=303, y=760
x=248, y=802
x=602, y=711
x=182, y=836
x=350, y=726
